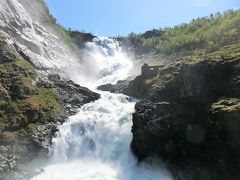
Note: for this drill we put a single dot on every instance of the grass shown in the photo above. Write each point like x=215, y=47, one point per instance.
x=22, y=100
x=226, y=105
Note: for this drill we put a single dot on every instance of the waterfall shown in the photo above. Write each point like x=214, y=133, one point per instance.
x=29, y=25
x=95, y=143
x=103, y=62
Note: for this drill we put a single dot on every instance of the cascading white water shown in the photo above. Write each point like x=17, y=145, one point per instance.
x=95, y=143
x=103, y=62
x=28, y=24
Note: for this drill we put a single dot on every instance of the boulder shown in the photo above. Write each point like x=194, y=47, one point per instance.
x=72, y=95
x=119, y=87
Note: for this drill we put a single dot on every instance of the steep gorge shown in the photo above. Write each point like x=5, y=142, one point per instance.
x=43, y=107
x=188, y=113
x=34, y=100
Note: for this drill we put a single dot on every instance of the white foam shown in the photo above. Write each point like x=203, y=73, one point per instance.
x=104, y=61
x=95, y=145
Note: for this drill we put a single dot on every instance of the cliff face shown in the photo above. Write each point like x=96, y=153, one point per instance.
x=32, y=101
x=35, y=31
x=31, y=106
x=191, y=115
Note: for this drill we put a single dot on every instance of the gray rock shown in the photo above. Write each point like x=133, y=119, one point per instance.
x=119, y=87
x=72, y=95
x=190, y=118
x=3, y=149
x=43, y=136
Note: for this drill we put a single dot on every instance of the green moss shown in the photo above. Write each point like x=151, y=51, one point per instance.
x=229, y=53
x=46, y=104
x=226, y=105
x=62, y=32
x=25, y=66
x=21, y=100
x=184, y=74
x=13, y=108
x=8, y=136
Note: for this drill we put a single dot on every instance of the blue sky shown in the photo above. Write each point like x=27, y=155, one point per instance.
x=121, y=17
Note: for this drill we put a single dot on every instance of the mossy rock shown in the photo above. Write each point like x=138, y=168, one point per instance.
x=226, y=106
x=8, y=136
x=22, y=100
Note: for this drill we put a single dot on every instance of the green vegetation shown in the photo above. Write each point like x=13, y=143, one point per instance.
x=51, y=21
x=22, y=100
x=228, y=56
x=74, y=39
x=80, y=38
x=202, y=34
x=226, y=105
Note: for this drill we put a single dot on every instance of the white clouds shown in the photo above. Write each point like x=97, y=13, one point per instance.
x=201, y=3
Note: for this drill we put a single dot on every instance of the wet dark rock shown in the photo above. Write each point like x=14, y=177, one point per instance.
x=72, y=95
x=31, y=107
x=190, y=117
x=80, y=38
x=43, y=134
x=119, y=87
x=5, y=55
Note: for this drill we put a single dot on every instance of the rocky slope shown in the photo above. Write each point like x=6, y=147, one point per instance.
x=192, y=117
x=189, y=115
x=38, y=34
x=31, y=106
x=35, y=91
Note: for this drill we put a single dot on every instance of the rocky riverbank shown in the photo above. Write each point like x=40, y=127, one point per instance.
x=189, y=115
x=192, y=117
x=31, y=106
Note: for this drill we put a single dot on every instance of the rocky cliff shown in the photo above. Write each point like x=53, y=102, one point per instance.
x=36, y=94
x=37, y=33
x=31, y=106
x=189, y=115
x=192, y=121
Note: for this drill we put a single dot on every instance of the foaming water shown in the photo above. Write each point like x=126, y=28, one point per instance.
x=103, y=62
x=95, y=143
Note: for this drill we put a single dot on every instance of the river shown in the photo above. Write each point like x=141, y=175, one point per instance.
x=94, y=144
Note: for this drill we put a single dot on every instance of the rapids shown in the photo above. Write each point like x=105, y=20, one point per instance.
x=95, y=143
